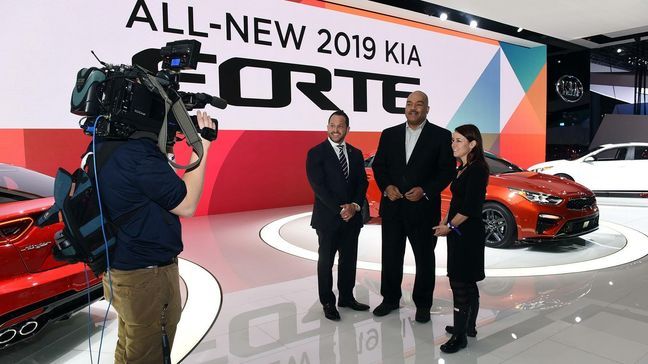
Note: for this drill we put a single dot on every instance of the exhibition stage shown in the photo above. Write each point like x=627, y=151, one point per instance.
x=250, y=296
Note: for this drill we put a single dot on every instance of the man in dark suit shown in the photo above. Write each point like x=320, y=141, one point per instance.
x=335, y=171
x=413, y=164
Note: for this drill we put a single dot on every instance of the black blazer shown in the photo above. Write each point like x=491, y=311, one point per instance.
x=331, y=188
x=431, y=166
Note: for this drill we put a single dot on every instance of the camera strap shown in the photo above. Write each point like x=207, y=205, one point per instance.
x=182, y=116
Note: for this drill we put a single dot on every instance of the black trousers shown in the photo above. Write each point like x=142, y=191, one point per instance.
x=423, y=242
x=345, y=242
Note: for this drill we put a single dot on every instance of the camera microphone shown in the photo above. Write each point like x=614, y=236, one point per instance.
x=212, y=100
x=200, y=99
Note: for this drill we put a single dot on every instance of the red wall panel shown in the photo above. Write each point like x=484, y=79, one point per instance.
x=247, y=170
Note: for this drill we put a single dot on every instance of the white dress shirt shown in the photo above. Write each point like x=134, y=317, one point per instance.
x=411, y=137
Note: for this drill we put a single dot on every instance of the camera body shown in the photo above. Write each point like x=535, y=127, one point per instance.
x=119, y=100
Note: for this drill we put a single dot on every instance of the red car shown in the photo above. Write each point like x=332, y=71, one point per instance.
x=34, y=288
x=522, y=205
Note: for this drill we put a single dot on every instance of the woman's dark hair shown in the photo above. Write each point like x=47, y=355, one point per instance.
x=476, y=155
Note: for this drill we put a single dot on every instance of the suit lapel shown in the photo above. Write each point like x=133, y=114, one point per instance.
x=400, y=136
x=352, y=160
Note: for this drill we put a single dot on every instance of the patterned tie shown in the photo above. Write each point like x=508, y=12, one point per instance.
x=343, y=161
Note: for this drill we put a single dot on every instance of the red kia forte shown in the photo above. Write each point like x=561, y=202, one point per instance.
x=522, y=205
x=34, y=288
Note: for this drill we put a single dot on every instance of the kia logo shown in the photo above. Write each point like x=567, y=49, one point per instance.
x=569, y=88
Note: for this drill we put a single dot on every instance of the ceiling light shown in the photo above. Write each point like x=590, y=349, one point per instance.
x=619, y=50
x=520, y=29
x=443, y=16
x=473, y=23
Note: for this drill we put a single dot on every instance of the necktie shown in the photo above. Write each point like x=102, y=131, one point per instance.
x=343, y=161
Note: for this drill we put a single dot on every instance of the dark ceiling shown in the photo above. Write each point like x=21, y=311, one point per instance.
x=634, y=52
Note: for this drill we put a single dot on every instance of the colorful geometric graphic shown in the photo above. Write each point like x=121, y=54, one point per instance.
x=508, y=103
x=482, y=106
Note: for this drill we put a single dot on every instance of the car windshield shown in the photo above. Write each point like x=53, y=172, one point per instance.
x=500, y=166
x=19, y=184
x=578, y=155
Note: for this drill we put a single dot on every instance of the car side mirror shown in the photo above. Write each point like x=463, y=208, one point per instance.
x=589, y=159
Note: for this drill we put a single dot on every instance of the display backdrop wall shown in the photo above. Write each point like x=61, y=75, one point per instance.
x=284, y=66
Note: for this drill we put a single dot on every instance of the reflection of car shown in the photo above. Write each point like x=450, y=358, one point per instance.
x=611, y=169
x=34, y=288
x=522, y=205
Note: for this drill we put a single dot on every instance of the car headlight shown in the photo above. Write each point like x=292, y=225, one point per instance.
x=537, y=197
x=542, y=169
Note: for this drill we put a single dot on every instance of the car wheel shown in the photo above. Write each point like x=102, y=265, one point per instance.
x=501, y=231
x=565, y=176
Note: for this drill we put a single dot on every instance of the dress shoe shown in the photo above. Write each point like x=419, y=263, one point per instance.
x=354, y=305
x=456, y=343
x=422, y=315
x=330, y=312
x=384, y=309
x=470, y=332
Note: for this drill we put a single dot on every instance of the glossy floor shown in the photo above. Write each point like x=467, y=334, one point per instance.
x=269, y=311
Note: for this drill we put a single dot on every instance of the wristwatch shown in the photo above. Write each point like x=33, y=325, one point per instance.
x=454, y=228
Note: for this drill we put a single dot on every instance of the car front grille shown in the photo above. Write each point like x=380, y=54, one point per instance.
x=581, y=203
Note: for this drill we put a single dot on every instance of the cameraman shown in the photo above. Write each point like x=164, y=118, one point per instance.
x=139, y=187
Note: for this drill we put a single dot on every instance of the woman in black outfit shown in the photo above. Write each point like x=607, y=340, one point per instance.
x=464, y=229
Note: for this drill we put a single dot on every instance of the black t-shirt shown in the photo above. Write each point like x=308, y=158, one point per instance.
x=137, y=180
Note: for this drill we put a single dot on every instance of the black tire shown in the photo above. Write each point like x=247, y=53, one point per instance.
x=501, y=231
x=565, y=176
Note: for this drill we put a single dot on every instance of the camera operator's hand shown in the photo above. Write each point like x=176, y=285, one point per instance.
x=205, y=121
x=194, y=178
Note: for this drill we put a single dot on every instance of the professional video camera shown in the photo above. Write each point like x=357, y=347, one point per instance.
x=118, y=101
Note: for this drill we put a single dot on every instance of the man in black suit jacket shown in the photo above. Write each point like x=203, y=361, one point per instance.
x=336, y=173
x=413, y=164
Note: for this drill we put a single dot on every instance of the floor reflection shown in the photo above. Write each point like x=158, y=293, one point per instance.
x=270, y=313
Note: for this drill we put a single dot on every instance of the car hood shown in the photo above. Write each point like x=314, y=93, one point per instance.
x=555, y=163
x=10, y=210
x=539, y=182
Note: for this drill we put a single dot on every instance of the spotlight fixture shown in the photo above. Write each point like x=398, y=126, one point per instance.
x=619, y=50
x=443, y=16
x=520, y=30
x=473, y=23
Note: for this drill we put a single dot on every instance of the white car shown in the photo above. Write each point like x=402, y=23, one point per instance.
x=609, y=170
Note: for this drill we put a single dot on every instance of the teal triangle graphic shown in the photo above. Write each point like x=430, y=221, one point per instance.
x=526, y=62
x=482, y=105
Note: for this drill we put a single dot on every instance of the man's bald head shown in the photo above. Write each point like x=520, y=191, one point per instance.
x=417, y=108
